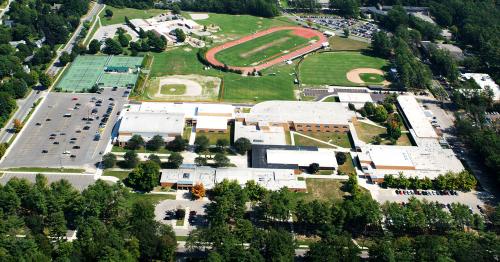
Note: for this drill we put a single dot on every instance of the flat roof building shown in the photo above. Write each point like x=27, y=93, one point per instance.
x=149, y=124
x=292, y=157
x=416, y=117
x=485, y=81
x=260, y=135
x=357, y=99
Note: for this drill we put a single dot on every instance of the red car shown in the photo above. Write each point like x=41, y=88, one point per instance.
x=74, y=98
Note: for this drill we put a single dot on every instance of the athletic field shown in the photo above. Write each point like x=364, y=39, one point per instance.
x=263, y=48
x=332, y=68
x=86, y=71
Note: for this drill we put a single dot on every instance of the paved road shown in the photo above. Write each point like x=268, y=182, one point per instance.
x=24, y=105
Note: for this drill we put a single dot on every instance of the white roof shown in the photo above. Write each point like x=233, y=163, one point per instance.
x=190, y=110
x=415, y=115
x=324, y=157
x=149, y=124
x=274, y=136
x=355, y=97
x=299, y=112
x=211, y=122
x=219, y=109
x=387, y=156
x=484, y=81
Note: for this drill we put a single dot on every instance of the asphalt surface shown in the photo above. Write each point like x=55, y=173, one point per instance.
x=167, y=205
x=50, y=130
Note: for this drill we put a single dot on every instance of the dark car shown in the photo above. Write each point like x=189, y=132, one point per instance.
x=73, y=139
x=86, y=127
x=45, y=151
x=38, y=124
x=73, y=156
x=111, y=99
x=56, y=143
x=78, y=131
x=94, y=110
x=76, y=147
x=48, y=119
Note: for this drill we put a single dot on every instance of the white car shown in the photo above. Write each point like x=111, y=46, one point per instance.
x=66, y=153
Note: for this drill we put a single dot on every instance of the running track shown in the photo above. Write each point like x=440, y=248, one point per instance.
x=210, y=55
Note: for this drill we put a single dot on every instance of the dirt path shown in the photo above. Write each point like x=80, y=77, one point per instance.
x=354, y=77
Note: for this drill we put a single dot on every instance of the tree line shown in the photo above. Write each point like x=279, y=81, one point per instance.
x=463, y=181
x=264, y=8
x=35, y=218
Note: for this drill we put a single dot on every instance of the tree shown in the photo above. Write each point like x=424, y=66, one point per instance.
x=176, y=10
x=175, y=160
x=313, y=168
x=221, y=144
x=198, y=191
x=178, y=144
x=130, y=159
x=123, y=40
x=351, y=107
x=200, y=161
x=347, y=8
x=340, y=247
x=18, y=125
x=341, y=157
x=279, y=245
x=380, y=114
x=155, y=143
x=112, y=47
x=221, y=160
x=278, y=204
x=144, y=177
x=242, y=145
x=255, y=192
x=346, y=32
x=109, y=160
x=65, y=58
x=201, y=144
x=135, y=142
x=381, y=44
x=369, y=108
x=180, y=35
x=155, y=158
x=45, y=80
x=108, y=13
x=94, y=46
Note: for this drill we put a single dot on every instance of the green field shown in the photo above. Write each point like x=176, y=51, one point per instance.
x=371, y=78
x=276, y=83
x=330, y=68
x=120, y=13
x=338, y=43
x=173, y=89
x=261, y=49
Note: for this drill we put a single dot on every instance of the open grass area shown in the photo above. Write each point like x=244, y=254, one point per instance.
x=366, y=132
x=46, y=170
x=120, y=13
x=186, y=134
x=152, y=198
x=338, y=43
x=118, y=174
x=261, y=49
x=371, y=78
x=174, y=89
x=118, y=149
x=304, y=141
x=213, y=137
x=276, y=83
x=236, y=26
x=348, y=167
x=338, y=139
x=330, y=68
x=323, y=190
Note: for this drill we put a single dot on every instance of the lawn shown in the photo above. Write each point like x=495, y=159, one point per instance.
x=330, y=68
x=276, y=83
x=367, y=132
x=120, y=13
x=371, y=78
x=338, y=43
x=46, y=170
x=152, y=198
x=118, y=149
x=261, y=49
x=213, y=137
x=174, y=89
x=304, y=141
x=338, y=139
x=348, y=167
x=186, y=134
x=236, y=26
x=323, y=190
x=118, y=174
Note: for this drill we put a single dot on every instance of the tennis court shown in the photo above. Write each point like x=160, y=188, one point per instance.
x=86, y=71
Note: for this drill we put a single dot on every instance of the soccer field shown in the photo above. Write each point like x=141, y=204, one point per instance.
x=331, y=68
x=262, y=48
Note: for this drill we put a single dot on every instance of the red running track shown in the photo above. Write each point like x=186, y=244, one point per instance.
x=301, y=31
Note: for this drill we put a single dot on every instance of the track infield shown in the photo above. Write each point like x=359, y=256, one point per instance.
x=266, y=48
x=332, y=68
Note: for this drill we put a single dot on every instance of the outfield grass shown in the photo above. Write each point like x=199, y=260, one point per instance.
x=276, y=83
x=120, y=13
x=330, y=68
x=261, y=49
x=174, y=89
x=338, y=43
x=338, y=139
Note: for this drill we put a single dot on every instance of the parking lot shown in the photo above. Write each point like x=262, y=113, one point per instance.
x=68, y=130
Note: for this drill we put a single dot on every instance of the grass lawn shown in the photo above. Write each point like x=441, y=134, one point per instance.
x=332, y=99
x=304, y=141
x=181, y=238
x=187, y=132
x=179, y=222
x=174, y=89
x=330, y=68
x=261, y=49
x=367, y=132
x=348, y=166
x=118, y=149
x=120, y=13
x=46, y=169
x=276, y=83
x=236, y=26
x=213, y=137
x=371, y=78
x=323, y=190
x=338, y=43
x=118, y=174
x=152, y=198
x=338, y=139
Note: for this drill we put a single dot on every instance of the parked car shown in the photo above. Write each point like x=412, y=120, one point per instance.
x=45, y=151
